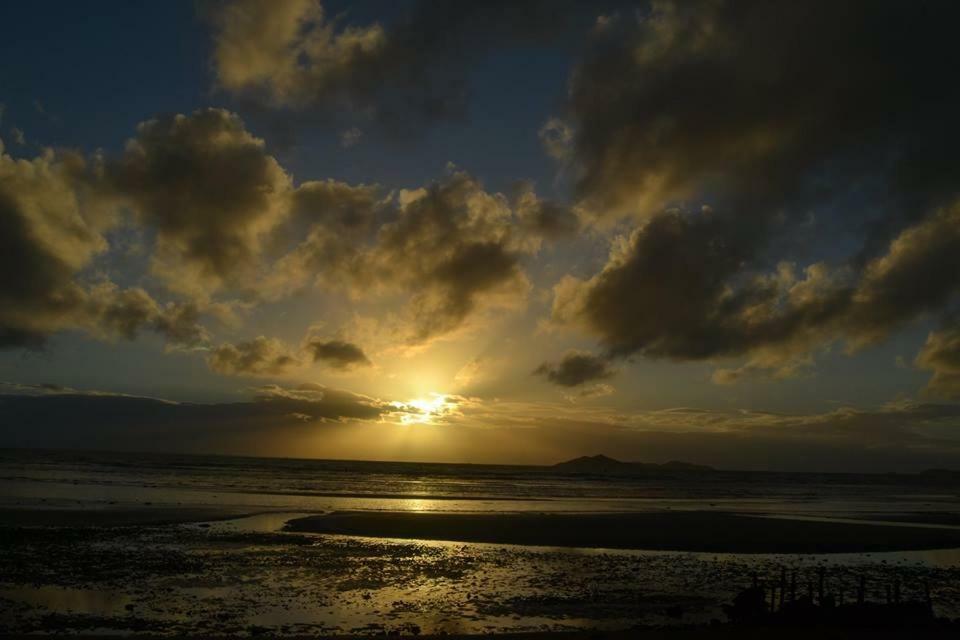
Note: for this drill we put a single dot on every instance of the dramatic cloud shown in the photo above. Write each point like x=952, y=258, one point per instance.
x=742, y=106
x=210, y=191
x=452, y=247
x=261, y=356
x=48, y=234
x=919, y=273
x=54, y=212
x=455, y=248
x=941, y=354
x=574, y=369
x=219, y=211
x=331, y=226
x=753, y=104
x=268, y=357
x=677, y=289
x=337, y=354
x=542, y=217
x=289, y=53
x=681, y=288
x=180, y=324
x=114, y=312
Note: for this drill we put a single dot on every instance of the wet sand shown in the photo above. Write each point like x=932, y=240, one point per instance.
x=665, y=531
x=244, y=578
x=118, y=516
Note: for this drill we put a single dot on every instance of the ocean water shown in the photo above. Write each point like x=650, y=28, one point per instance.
x=92, y=479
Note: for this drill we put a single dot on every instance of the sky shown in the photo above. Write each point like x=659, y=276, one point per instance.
x=493, y=232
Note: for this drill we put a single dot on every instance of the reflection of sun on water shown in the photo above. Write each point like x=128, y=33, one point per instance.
x=427, y=410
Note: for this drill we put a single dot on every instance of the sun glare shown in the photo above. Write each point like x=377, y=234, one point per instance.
x=427, y=410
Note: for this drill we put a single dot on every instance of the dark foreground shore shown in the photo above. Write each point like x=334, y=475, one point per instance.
x=721, y=632
x=667, y=531
x=146, y=570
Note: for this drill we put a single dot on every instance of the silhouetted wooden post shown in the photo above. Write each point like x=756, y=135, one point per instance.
x=773, y=598
x=886, y=589
x=793, y=586
x=896, y=590
x=862, y=591
x=820, y=586
x=926, y=596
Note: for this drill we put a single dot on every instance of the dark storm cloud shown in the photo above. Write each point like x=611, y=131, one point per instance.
x=456, y=248
x=211, y=192
x=667, y=292
x=338, y=354
x=337, y=204
x=261, y=356
x=763, y=111
x=292, y=54
x=918, y=273
x=331, y=225
x=574, y=369
x=46, y=237
x=124, y=313
x=941, y=355
x=54, y=211
x=681, y=288
x=755, y=104
x=180, y=324
x=111, y=312
x=270, y=357
x=544, y=218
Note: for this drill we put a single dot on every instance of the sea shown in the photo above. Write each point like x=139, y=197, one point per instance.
x=91, y=479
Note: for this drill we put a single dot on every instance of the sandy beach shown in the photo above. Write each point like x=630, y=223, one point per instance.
x=664, y=531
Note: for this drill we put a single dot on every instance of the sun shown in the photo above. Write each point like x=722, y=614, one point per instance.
x=427, y=410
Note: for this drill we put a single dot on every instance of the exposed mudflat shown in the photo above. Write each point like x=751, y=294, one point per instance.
x=246, y=577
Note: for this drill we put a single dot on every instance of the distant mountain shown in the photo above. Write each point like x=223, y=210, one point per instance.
x=607, y=465
x=590, y=464
x=941, y=474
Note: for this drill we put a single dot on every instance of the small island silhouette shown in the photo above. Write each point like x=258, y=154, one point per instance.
x=602, y=464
